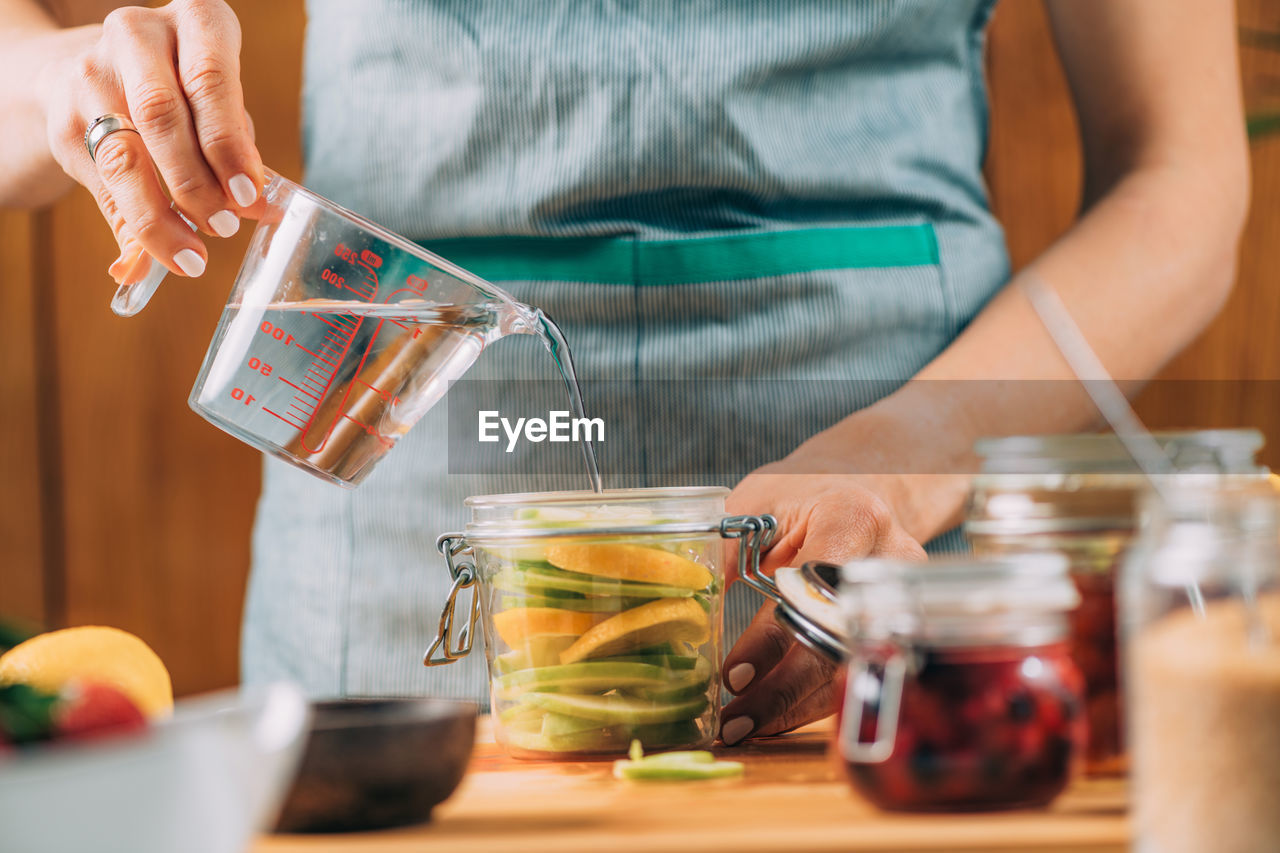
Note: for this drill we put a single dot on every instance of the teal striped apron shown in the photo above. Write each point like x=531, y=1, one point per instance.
x=721, y=190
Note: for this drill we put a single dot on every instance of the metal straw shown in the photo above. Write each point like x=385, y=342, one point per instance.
x=1136, y=439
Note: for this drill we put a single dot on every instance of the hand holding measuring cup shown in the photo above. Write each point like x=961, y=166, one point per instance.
x=152, y=96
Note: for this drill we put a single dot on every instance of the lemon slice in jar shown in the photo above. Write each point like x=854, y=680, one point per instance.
x=629, y=563
x=520, y=624
x=667, y=620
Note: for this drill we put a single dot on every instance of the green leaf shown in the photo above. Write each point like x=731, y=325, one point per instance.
x=1264, y=124
x=1265, y=39
x=26, y=714
x=12, y=634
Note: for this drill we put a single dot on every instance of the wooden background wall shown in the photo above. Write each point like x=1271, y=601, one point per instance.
x=118, y=505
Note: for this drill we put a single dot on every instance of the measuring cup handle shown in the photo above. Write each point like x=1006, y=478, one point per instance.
x=141, y=280
x=140, y=284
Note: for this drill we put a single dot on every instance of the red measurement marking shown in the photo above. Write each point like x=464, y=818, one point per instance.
x=346, y=397
x=385, y=395
x=320, y=375
x=382, y=439
x=289, y=421
x=316, y=354
x=300, y=388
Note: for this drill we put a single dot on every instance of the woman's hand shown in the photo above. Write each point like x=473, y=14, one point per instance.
x=861, y=489
x=833, y=518
x=175, y=71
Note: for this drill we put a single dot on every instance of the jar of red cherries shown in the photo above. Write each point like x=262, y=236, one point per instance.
x=960, y=691
x=1077, y=495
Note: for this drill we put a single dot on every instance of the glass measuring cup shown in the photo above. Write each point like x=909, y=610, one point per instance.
x=339, y=335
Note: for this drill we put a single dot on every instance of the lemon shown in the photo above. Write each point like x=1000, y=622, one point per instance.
x=92, y=653
x=667, y=620
x=629, y=563
x=520, y=624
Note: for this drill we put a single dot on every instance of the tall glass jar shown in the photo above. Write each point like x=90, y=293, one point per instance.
x=601, y=614
x=960, y=693
x=1201, y=626
x=1078, y=495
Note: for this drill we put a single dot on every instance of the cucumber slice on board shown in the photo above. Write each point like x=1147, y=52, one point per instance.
x=618, y=709
x=646, y=771
x=585, y=677
x=682, y=766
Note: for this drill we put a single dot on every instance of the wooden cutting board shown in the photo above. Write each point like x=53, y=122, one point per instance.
x=792, y=799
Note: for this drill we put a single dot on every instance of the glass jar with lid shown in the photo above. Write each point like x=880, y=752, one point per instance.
x=601, y=614
x=961, y=693
x=1078, y=495
x=1200, y=603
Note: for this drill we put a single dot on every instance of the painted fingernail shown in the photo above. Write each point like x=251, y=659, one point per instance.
x=224, y=223
x=117, y=269
x=190, y=262
x=740, y=676
x=736, y=729
x=243, y=190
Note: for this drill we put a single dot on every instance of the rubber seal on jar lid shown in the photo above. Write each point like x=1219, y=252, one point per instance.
x=810, y=609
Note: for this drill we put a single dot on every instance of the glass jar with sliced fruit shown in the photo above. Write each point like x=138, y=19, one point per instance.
x=961, y=694
x=601, y=615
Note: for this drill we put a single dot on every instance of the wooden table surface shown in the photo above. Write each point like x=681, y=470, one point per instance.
x=792, y=799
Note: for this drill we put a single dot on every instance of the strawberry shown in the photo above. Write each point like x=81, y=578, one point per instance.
x=90, y=710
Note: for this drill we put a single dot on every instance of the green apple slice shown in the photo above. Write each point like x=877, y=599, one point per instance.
x=619, y=709
x=585, y=677
x=677, y=687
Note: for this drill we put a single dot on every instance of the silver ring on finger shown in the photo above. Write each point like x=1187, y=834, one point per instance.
x=102, y=127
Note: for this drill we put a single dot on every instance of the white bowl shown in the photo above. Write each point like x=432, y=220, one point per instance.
x=205, y=781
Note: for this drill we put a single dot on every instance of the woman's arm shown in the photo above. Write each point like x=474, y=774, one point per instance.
x=1144, y=269
x=175, y=72
x=32, y=34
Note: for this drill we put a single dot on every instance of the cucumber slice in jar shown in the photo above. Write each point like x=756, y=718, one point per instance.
x=619, y=709
x=546, y=582
x=585, y=677
x=603, y=604
x=561, y=737
x=677, y=687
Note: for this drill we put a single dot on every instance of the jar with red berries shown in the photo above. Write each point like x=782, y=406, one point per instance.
x=960, y=691
x=1078, y=495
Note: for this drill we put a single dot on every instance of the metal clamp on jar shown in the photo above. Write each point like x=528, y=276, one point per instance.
x=601, y=614
x=1078, y=495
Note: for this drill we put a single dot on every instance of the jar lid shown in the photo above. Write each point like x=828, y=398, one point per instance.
x=1221, y=534
x=959, y=599
x=674, y=510
x=1224, y=451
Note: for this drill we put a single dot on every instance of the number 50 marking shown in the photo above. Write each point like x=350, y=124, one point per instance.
x=260, y=366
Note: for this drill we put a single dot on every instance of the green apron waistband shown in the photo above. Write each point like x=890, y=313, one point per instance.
x=627, y=260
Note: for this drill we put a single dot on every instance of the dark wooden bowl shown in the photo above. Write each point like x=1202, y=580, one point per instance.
x=378, y=763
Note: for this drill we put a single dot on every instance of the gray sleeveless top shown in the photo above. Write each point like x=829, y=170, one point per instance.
x=781, y=197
